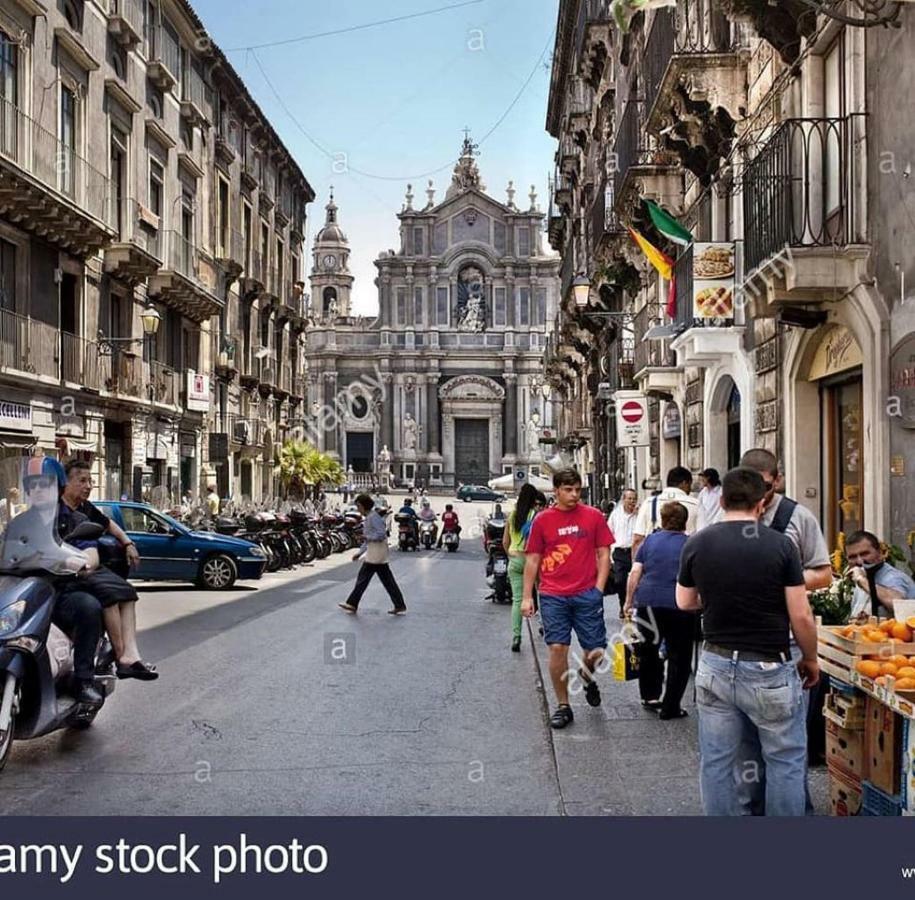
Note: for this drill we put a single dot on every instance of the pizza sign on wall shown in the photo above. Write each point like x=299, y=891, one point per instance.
x=713, y=281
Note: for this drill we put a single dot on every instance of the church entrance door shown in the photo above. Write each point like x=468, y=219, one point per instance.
x=360, y=451
x=471, y=451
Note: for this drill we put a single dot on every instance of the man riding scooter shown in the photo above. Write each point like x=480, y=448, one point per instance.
x=407, y=510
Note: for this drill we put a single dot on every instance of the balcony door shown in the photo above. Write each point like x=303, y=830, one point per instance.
x=835, y=143
x=118, y=168
x=67, y=158
x=9, y=94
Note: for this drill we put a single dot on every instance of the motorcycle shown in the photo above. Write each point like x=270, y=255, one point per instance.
x=428, y=533
x=497, y=560
x=406, y=532
x=36, y=658
x=452, y=540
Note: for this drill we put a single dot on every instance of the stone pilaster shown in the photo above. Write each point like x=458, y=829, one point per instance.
x=432, y=432
x=511, y=413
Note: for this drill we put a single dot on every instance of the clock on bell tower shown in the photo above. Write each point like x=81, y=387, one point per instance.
x=331, y=281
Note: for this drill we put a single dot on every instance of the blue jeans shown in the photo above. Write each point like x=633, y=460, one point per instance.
x=737, y=700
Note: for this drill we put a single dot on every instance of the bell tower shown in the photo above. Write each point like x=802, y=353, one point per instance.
x=331, y=281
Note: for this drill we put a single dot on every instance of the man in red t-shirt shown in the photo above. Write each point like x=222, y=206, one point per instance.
x=569, y=547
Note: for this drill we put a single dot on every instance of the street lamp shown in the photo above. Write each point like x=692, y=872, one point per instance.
x=581, y=290
x=150, y=317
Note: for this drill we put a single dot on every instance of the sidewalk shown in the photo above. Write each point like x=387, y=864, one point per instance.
x=620, y=759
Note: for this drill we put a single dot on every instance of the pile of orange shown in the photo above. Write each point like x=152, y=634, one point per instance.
x=901, y=668
x=890, y=630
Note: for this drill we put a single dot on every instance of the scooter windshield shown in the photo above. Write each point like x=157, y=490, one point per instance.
x=31, y=541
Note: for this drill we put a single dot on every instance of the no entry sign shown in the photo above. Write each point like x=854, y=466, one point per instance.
x=631, y=419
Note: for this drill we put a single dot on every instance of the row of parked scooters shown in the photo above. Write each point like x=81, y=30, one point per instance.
x=291, y=536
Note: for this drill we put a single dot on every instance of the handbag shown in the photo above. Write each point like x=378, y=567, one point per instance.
x=376, y=553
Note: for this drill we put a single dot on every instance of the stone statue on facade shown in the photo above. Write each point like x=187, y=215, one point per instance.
x=409, y=432
x=471, y=305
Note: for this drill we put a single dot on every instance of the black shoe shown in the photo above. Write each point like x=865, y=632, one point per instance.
x=89, y=695
x=562, y=717
x=592, y=691
x=676, y=714
x=653, y=705
x=516, y=645
x=398, y=611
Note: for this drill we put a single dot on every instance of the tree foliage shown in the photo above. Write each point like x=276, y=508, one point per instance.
x=303, y=469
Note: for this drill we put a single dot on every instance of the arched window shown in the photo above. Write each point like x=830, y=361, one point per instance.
x=73, y=14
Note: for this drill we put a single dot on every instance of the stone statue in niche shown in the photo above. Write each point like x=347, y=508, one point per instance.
x=471, y=308
x=409, y=432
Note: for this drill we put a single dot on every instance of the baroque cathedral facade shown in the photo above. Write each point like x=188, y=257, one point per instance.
x=444, y=386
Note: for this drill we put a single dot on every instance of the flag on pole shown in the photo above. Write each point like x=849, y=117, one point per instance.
x=668, y=225
x=624, y=10
x=664, y=265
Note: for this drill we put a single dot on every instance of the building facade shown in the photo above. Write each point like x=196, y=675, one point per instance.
x=136, y=175
x=445, y=384
x=782, y=141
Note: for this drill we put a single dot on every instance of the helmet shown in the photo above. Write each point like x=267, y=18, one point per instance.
x=426, y=502
x=38, y=466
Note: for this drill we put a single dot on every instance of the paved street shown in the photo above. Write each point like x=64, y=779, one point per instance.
x=432, y=714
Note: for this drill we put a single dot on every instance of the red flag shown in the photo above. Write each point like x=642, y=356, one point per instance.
x=672, y=299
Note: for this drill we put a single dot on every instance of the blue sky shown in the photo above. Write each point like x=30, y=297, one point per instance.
x=393, y=100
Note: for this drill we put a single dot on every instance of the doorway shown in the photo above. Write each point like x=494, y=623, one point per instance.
x=471, y=451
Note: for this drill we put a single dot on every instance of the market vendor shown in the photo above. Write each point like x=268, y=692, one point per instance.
x=877, y=583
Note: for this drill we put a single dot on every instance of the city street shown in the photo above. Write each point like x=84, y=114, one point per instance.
x=432, y=714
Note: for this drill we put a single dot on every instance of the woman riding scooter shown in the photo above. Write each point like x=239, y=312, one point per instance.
x=427, y=514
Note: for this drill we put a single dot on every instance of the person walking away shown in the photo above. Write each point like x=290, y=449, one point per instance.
x=622, y=524
x=801, y=527
x=679, y=485
x=653, y=592
x=877, y=583
x=709, y=499
x=751, y=585
x=450, y=522
x=569, y=546
x=375, y=550
x=514, y=540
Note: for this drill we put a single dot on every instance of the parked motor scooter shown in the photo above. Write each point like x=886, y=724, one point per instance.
x=37, y=686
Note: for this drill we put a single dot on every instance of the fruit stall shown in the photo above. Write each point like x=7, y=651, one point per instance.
x=870, y=716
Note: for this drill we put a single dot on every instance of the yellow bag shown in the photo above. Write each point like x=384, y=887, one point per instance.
x=625, y=662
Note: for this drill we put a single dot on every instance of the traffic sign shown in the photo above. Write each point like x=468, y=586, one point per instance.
x=520, y=475
x=631, y=419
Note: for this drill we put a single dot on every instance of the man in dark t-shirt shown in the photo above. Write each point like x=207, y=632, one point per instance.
x=748, y=581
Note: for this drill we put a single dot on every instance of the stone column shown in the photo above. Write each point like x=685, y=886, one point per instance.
x=509, y=297
x=433, y=443
x=387, y=413
x=329, y=414
x=511, y=413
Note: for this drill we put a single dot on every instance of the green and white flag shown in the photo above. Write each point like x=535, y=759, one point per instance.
x=668, y=225
x=624, y=10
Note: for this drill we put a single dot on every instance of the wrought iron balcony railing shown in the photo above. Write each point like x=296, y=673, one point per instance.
x=803, y=188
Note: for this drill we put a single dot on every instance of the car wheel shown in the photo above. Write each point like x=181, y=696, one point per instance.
x=218, y=573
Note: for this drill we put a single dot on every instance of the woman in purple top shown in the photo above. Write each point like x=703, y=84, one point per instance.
x=652, y=591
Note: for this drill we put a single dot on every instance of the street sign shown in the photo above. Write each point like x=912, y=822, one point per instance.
x=631, y=419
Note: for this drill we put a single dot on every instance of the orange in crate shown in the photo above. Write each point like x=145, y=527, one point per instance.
x=888, y=668
x=902, y=633
x=869, y=668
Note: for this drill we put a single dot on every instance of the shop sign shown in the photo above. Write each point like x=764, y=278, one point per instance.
x=838, y=352
x=15, y=416
x=198, y=391
x=631, y=419
x=713, y=281
x=157, y=446
x=670, y=425
x=902, y=382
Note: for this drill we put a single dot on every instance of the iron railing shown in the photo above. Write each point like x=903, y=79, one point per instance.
x=131, y=11
x=566, y=272
x=164, y=49
x=180, y=254
x=79, y=361
x=650, y=353
x=802, y=189
x=28, y=345
x=58, y=166
x=230, y=244
x=604, y=218
x=162, y=383
x=630, y=147
x=659, y=48
x=194, y=90
x=125, y=219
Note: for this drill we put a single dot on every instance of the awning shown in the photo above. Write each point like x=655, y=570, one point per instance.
x=661, y=332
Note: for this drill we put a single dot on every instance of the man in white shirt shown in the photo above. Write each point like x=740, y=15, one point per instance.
x=622, y=522
x=679, y=485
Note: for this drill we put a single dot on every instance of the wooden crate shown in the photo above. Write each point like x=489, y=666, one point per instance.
x=845, y=751
x=846, y=711
x=883, y=745
x=844, y=794
x=827, y=636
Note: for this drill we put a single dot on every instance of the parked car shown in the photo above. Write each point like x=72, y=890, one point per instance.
x=468, y=492
x=169, y=551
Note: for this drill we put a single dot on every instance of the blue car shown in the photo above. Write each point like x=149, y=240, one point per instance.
x=171, y=552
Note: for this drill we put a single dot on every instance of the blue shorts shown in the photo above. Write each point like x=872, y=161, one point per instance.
x=583, y=612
